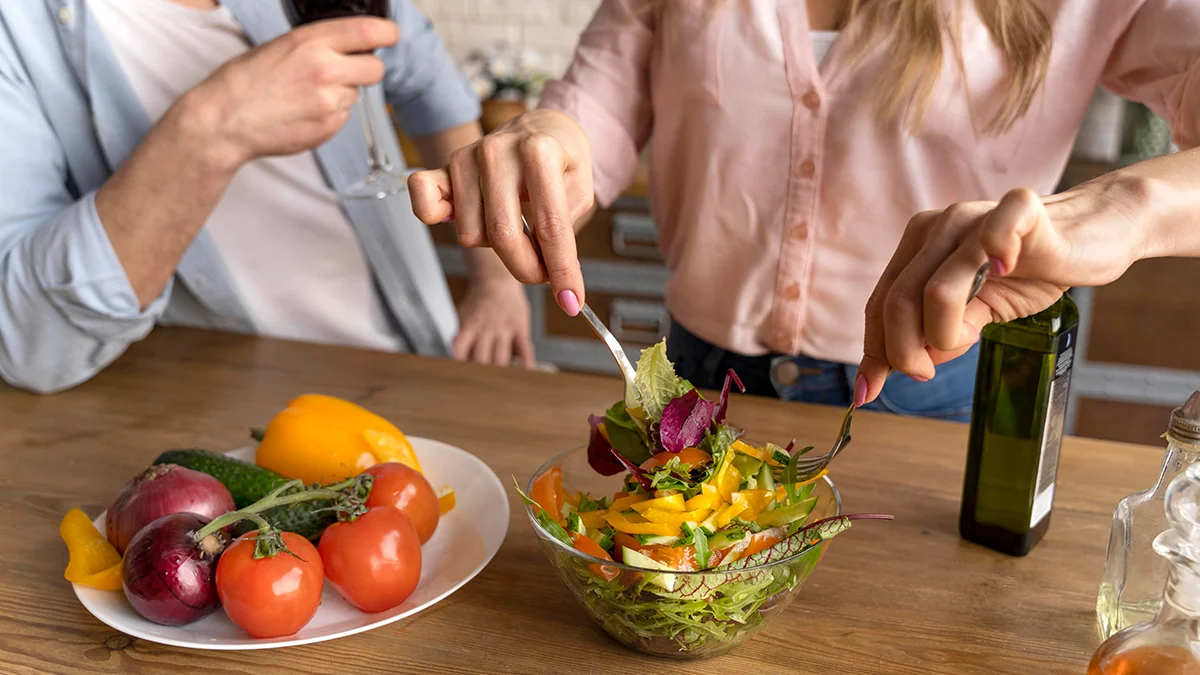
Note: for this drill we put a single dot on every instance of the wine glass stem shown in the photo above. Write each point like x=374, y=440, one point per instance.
x=378, y=159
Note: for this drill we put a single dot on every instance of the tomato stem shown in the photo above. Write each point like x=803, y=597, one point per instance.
x=347, y=495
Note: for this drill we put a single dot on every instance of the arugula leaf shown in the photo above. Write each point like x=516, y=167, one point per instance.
x=656, y=381
x=789, y=476
x=544, y=518
x=672, y=476
x=587, y=504
x=624, y=434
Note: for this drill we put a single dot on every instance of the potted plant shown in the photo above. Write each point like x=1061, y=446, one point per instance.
x=506, y=81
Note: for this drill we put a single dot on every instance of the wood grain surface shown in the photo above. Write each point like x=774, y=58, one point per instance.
x=907, y=597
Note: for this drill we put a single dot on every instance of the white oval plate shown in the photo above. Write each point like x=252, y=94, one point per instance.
x=465, y=541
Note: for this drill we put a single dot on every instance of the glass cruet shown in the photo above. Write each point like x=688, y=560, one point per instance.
x=1131, y=588
x=1170, y=643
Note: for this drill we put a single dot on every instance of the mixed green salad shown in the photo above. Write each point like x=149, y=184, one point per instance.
x=721, y=530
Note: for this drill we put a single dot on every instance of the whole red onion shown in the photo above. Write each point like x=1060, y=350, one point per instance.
x=169, y=577
x=161, y=490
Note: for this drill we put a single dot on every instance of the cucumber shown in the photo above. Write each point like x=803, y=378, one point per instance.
x=249, y=483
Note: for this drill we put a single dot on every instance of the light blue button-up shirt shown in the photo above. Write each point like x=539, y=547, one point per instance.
x=68, y=117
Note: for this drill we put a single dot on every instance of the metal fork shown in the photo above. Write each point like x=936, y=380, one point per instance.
x=809, y=467
x=602, y=332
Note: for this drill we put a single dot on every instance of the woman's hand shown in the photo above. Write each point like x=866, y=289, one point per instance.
x=541, y=157
x=494, y=324
x=918, y=315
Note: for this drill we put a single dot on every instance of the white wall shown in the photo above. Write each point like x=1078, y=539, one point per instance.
x=549, y=27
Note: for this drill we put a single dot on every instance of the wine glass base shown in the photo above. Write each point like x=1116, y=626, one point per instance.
x=377, y=185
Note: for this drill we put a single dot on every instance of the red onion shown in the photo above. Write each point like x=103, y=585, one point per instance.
x=161, y=490
x=169, y=575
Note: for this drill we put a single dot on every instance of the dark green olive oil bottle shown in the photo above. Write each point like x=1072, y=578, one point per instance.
x=1016, y=428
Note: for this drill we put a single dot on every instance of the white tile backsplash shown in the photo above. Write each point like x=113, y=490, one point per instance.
x=549, y=27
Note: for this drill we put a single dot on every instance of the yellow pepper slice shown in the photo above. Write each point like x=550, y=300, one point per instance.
x=730, y=512
x=624, y=503
x=572, y=498
x=93, y=561
x=756, y=453
x=704, y=500
x=669, y=503
x=593, y=520
x=676, y=518
x=622, y=524
x=446, y=500
x=322, y=439
x=756, y=501
x=727, y=479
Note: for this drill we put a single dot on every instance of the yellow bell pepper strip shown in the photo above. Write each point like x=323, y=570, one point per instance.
x=669, y=503
x=572, y=498
x=756, y=502
x=446, y=500
x=751, y=451
x=593, y=520
x=730, y=512
x=624, y=503
x=93, y=561
x=627, y=525
x=704, y=500
x=727, y=478
x=675, y=518
x=321, y=439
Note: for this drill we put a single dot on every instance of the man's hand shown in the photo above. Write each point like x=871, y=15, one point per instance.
x=494, y=323
x=542, y=157
x=294, y=93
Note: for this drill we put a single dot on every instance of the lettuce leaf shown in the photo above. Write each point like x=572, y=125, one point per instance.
x=625, y=435
x=656, y=381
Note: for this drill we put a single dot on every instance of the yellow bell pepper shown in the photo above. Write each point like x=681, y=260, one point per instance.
x=704, y=500
x=756, y=502
x=676, y=518
x=321, y=439
x=669, y=503
x=730, y=512
x=93, y=561
x=446, y=500
x=629, y=526
x=727, y=479
x=624, y=503
x=757, y=453
x=593, y=520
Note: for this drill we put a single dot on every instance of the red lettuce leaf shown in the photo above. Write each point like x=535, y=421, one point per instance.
x=684, y=422
x=600, y=451
x=636, y=470
x=723, y=403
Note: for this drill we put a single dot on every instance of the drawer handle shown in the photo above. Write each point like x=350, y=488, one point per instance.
x=635, y=236
x=638, y=322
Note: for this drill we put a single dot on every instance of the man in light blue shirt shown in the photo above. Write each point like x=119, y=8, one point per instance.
x=115, y=215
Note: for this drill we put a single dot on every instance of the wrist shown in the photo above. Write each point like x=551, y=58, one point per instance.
x=194, y=123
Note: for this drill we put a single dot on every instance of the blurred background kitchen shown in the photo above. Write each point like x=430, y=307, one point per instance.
x=1137, y=356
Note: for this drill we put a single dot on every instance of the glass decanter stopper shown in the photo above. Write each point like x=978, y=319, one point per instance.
x=1170, y=643
x=1131, y=589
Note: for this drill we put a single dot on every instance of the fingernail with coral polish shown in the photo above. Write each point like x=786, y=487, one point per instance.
x=998, y=267
x=860, y=391
x=447, y=219
x=569, y=302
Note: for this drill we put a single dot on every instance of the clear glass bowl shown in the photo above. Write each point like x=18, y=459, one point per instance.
x=707, y=613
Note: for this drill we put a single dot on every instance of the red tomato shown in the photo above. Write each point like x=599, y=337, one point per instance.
x=405, y=488
x=589, y=546
x=270, y=597
x=374, y=561
x=548, y=493
x=693, y=457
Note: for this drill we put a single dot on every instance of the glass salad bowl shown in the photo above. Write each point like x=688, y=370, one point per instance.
x=677, y=614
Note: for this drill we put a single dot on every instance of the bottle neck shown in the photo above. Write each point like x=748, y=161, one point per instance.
x=1178, y=458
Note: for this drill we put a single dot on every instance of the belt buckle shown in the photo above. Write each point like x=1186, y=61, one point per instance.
x=785, y=372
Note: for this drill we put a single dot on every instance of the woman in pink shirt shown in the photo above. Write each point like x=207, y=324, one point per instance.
x=783, y=176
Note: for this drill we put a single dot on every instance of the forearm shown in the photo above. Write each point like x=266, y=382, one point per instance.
x=1166, y=197
x=156, y=202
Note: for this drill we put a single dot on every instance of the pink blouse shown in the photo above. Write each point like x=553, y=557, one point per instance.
x=778, y=196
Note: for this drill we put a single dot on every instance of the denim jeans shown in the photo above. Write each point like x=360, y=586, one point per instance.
x=947, y=396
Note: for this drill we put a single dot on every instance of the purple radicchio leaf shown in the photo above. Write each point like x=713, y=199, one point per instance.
x=684, y=422
x=600, y=451
x=636, y=471
x=723, y=403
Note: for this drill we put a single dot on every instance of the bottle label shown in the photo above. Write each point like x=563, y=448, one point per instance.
x=1052, y=432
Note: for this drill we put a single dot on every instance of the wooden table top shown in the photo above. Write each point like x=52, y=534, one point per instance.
x=901, y=597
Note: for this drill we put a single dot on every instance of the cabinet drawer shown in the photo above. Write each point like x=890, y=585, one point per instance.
x=1149, y=317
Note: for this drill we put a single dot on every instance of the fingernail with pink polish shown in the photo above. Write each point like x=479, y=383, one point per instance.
x=918, y=378
x=569, y=302
x=998, y=268
x=860, y=391
x=447, y=219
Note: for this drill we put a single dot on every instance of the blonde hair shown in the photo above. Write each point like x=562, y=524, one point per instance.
x=910, y=72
